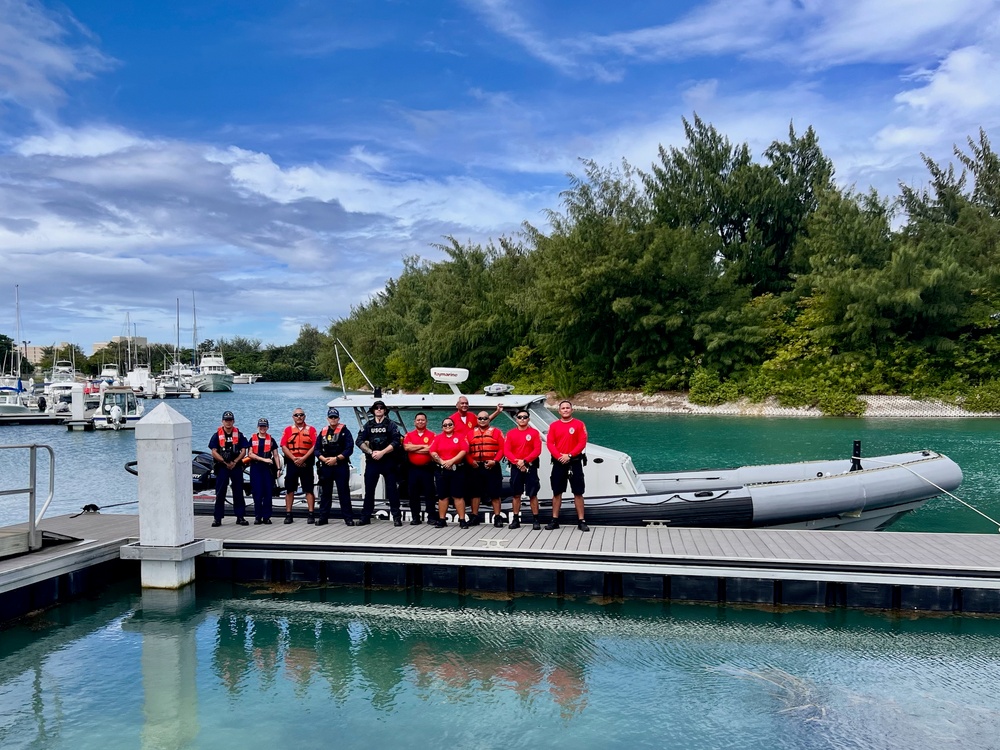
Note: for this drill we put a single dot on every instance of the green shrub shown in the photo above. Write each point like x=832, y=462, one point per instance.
x=984, y=398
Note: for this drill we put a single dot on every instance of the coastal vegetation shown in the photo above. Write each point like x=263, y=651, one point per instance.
x=720, y=274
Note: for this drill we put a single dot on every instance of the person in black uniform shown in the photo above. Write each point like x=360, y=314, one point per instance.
x=378, y=440
x=228, y=447
x=335, y=448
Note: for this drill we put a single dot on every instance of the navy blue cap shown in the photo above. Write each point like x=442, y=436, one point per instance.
x=228, y=415
x=331, y=412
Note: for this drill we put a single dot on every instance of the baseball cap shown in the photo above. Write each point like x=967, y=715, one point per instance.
x=228, y=415
x=331, y=412
x=262, y=422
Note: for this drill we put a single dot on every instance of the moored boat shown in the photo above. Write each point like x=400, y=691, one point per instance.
x=856, y=493
x=119, y=409
x=213, y=375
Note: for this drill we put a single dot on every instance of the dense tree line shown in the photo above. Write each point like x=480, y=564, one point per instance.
x=720, y=274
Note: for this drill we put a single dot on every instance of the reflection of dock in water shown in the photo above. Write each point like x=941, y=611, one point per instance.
x=903, y=571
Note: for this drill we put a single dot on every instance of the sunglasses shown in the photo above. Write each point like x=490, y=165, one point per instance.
x=298, y=415
x=483, y=419
x=447, y=424
x=521, y=416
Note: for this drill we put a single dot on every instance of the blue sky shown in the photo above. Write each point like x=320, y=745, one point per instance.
x=279, y=159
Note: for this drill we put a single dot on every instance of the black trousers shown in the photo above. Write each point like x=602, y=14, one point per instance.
x=341, y=476
x=386, y=469
x=421, y=489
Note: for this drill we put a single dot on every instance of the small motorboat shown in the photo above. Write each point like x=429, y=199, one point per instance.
x=119, y=409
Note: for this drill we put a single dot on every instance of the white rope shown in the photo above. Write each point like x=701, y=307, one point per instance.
x=920, y=476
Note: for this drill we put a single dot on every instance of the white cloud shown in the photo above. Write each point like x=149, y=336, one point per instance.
x=86, y=141
x=40, y=51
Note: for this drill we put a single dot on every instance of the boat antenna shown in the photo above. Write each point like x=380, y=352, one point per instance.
x=348, y=352
x=336, y=350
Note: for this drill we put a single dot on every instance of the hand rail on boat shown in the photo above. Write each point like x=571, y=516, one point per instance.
x=34, y=541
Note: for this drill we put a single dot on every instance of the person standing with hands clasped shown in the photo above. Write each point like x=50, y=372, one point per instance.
x=448, y=451
x=485, y=478
x=265, y=463
x=522, y=448
x=228, y=446
x=567, y=441
x=378, y=439
x=335, y=448
x=298, y=444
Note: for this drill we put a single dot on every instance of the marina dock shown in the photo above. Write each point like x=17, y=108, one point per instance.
x=954, y=573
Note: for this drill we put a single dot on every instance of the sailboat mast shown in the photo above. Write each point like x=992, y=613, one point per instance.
x=194, y=332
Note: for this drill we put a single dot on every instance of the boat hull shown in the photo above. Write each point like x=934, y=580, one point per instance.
x=213, y=382
x=821, y=495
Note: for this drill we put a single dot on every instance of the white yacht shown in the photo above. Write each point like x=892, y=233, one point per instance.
x=110, y=374
x=140, y=380
x=13, y=402
x=63, y=371
x=212, y=374
x=245, y=378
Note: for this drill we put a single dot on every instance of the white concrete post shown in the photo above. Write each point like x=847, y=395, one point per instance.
x=76, y=404
x=166, y=502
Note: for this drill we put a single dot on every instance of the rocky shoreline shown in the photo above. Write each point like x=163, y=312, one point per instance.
x=678, y=403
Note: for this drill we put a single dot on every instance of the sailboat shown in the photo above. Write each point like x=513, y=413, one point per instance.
x=12, y=392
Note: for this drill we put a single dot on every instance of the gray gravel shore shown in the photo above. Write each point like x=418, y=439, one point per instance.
x=677, y=403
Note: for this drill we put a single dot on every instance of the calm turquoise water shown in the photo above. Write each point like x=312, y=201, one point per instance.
x=89, y=465
x=343, y=668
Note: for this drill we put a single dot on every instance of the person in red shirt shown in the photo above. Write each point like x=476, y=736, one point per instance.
x=465, y=421
x=298, y=444
x=485, y=476
x=420, y=479
x=448, y=451
x=567, y=441
x=522, y=448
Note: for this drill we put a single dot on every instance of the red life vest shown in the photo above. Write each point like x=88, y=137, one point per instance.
x=223, y=437
x=299, y=441
x=336, y=430
x=255, y=441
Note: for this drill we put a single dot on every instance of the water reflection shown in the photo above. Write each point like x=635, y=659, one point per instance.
x=360, y=669
x=343, y=649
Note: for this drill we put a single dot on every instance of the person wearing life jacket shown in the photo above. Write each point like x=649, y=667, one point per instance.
x=228, y=447
x=420, y=487
x=448, y=451
x=567, y=441
x=298, y=445
x=378, y=440
x=485, y=476
x=522, y=449
x=264, y=459
x=336, y=444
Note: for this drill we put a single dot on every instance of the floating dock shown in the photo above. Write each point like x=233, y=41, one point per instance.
x=953, y=573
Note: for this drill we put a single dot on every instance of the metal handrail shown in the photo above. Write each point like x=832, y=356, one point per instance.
x=32, y=489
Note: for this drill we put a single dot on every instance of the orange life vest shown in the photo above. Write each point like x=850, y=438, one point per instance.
x=483, y=446
x=255, y=441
